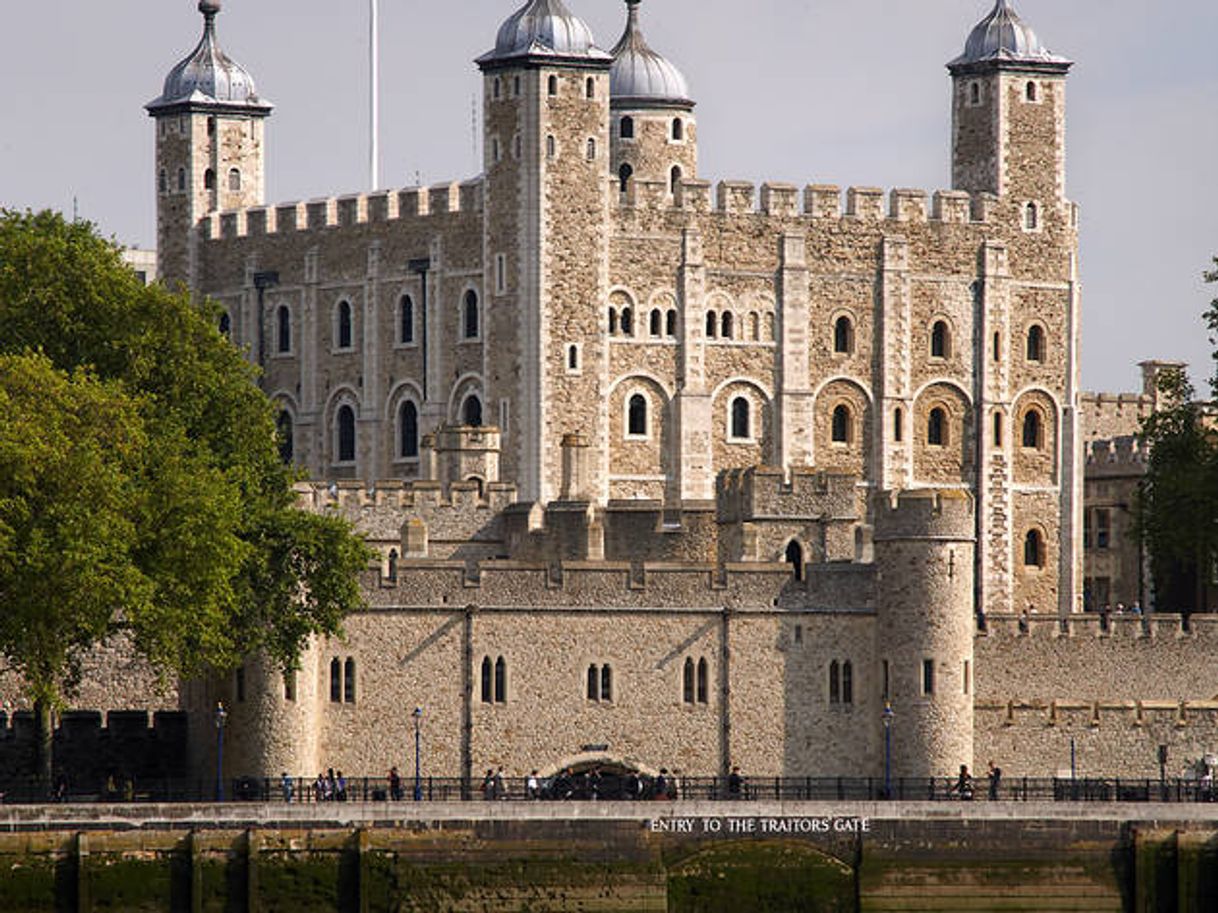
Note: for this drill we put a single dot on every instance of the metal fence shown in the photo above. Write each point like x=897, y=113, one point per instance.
x=584, y=787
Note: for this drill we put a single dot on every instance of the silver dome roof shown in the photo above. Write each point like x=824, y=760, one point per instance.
x=208, y=77
x=641, y=76
x=1003, y=37
x=544, y=28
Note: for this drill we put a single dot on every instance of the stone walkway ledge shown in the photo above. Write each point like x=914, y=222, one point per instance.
x=654, y=815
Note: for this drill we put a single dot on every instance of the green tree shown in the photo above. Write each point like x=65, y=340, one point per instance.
x=208, y=558
x=1178, y=501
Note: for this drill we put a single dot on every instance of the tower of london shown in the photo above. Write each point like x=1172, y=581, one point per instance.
x=670, y=472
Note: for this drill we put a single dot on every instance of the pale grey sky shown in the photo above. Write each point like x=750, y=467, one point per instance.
x=834, y=91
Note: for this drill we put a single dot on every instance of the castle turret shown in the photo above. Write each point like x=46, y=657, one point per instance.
x=655, y=136
x=546, y=127
x=209, y=146
x=924, y=545
x=1009, y=112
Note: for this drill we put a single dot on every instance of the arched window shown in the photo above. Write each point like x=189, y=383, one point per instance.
x=349, y=681
x=725, y=325
x=552, y=85
x=678, y=129
x=1036, y=343
x=284, y=431
x=594, y=683
x=674, y=180
x=163, y=182
x=1030, y=91
x=551, y=148
x=1031, y=217
x=406, y=320
x=997, y=429
x=847, y=683
x=687, y=682
x=656, y=322
x=471, y=411
x=590, y=87
x=627, y=322
x=741, y=419
x=841, y=425
x=670, y=322
x=712, y=324
x=209, y=180
x=283, y=330
x=843, y=335
x=936, y=427
x=1033, y=429
x=898, y=425
x=974, y=91
x=181, y=180
x=703, y=681
x=226, y=325
x=488, y=693
x=591, y=151
x=408, y=430
x=392, y=573
x=515, y=85
x=835, y=683
x=636, y=419
x=1033, y=549
x=623, y=176
x=940, y=340
x=234, y=180
x=626, y=128
x=612, y=321
x=336, y=681
x=497, y=89
x=469, y=321
x=606, y=683
x=500, y=681
x=572, y=357
x=997, y=347
x=346, y=434
x=795, y=558
x=343, y=335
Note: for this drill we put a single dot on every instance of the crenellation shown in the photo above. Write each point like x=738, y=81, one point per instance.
x=907, y=205
x=413, y=201
x=290, y=217
x=229, y=225
x=352, y=209
x=823, y=201
x=696, y=196
x=865, y=203
x=736, y=197
x=984, y=207
x=953, y=207
x=444, y=198
x=780, y=200
x=260, y=221
x=321, y=213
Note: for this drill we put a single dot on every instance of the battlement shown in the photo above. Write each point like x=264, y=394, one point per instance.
x=1091, y=626
x=1075, y=713
x=924, y=514
x=765, y=493
x=344, y=211
x=1120, y=456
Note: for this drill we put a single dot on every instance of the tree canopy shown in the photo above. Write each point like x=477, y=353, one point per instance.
x=141, y=489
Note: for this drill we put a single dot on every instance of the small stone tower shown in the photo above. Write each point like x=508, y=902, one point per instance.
x=546, y=127
x=209, y=146
x=924, y=542
x=655, y=136
x=1009, y=112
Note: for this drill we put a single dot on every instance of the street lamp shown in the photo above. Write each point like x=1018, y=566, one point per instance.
x=1163, y=772
x=888, y=714
x=221, y=719
x=418, y=782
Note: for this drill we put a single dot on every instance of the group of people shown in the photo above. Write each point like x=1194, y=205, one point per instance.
x=963, y=787
x=330, y=786
x=596, y=783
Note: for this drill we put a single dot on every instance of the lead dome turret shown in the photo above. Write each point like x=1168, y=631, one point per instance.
x=544, y=28
x=640, y=77
x=1003, y=37
x=208, y=77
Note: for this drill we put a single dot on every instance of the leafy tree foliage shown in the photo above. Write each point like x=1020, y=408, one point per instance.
x=1178, y=501
x=141, y=489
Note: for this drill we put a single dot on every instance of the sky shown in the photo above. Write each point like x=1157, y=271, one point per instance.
x=803, y=91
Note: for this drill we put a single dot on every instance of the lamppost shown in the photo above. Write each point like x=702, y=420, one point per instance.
x=1163, y=772
x=221, y=719
x=888, y=714
x=418, y=782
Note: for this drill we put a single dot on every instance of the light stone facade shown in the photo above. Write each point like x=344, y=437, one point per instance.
x=795, y=440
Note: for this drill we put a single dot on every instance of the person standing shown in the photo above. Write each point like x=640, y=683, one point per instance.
x=286, y=786
x=995, y=778
x=735, y=784
x=532, y=788
x=395, y=784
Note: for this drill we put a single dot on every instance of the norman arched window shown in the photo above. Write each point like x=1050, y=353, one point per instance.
x=226, y=325
x=1030, y=92
x=283, y=327
x=181, y=180
x=670, y=322
x=936, y=428
x=606, y=683
x=349, y=681
x=336, y=681
x=997, y=429
x=847, y=683
x=726, y=328
x=488, y=693
x=573, y=357
x=163, y=182
x=392, y=573
x=408, y=430
x=234, y=180
x=741, y=427
x=1031, y=217
x=624, y=174
x=471, y=411
x=346, y=434
x=469, y=321
x=627, y=322
x=656, y=322
x=841, y=425
x=898, y=424
x=552, y=85
x=843, y=335
x=795, y=557
x=636, y=416
x=835, y=683
x=754, y=326
x=626, y=128
x=500, y=681
x=285, y=430
x=974, y=92
x=678, y=129
x=1033, y=429
x=1033, y=549
x=712, y=324
x=406, y=320
x=551, y=148
x=674, y=180
x=594, y=683
x=612, y=321
x=940, y=340
x=687, y=682
x=209, y=180
x=591, y=150
x=703, y=681
x=590, y=87
x=343, y=335
x=1036, y=343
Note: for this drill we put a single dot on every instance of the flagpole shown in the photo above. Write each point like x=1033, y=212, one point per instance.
x=374, y=72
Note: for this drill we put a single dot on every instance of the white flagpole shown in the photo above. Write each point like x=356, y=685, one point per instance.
x=374, y=74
